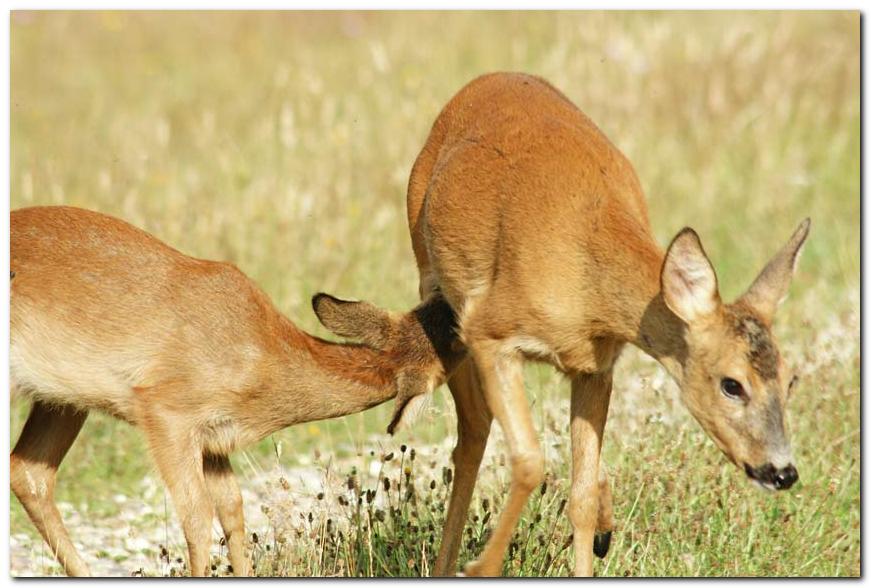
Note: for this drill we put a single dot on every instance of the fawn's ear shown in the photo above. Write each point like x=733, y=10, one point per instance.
x=769, y=288
x=414, y=395
x=354, y=320
x=688, y=281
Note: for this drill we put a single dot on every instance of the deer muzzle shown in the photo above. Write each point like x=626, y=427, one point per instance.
x=771, y=477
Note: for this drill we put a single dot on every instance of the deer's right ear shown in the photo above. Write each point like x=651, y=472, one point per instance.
x=354, y=320
x=688, y=281
x=769, y=288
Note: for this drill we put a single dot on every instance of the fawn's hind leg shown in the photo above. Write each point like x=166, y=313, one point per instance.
x=227, y=499
x=47, y=436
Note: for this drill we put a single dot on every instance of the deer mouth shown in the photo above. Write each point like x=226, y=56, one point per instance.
x=756, y=478
x=770, y=478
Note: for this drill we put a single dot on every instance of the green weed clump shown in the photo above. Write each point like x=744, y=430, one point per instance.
x=390, y=525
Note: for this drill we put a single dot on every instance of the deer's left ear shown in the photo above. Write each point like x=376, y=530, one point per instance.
x=689, y=284
x=354, y=320
x=769, y=288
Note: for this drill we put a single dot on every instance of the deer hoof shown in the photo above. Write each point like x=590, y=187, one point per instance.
x=601, y=543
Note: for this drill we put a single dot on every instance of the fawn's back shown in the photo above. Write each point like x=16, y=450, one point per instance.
x=99, y=307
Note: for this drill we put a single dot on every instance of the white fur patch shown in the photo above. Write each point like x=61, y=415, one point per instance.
x=220, y=435
x=782, y=458
x=473, y=296
x=532, y=348
x=766, y=486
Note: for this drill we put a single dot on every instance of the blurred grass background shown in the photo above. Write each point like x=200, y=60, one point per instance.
x=283, y=142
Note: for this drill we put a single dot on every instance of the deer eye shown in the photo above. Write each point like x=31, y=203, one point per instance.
x=732, y=388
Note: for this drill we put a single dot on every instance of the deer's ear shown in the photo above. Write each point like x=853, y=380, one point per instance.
x=354, y=320
x=413, y=396
x=769, y=288
x=688, y=281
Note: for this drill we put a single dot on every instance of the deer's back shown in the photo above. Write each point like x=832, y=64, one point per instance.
x=519, y=199
x=100, y=308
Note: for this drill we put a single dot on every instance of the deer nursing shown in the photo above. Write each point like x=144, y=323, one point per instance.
x=531, y=236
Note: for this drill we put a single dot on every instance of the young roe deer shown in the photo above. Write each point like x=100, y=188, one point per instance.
x=106, y=317
x=534, y=228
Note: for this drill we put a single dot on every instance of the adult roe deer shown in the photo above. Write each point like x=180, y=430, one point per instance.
x=106, y=317
x=534, y=228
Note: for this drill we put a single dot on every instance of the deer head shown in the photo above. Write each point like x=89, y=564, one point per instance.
x=422, y=342
x=733, y=379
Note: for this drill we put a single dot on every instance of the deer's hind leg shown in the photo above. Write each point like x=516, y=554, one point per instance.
x=47, y=436
x=227, y=499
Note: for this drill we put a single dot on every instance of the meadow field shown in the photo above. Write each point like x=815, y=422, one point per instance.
x=282, y=142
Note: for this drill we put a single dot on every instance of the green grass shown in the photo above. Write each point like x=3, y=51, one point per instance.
x=283, y=143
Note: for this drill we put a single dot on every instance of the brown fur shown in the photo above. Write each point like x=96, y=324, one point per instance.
x=106, y=317
x=534, y=228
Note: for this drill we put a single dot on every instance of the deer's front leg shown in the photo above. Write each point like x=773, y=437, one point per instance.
x=605, y=520
x=591, y=394
x=176, y=450
x=227, y=500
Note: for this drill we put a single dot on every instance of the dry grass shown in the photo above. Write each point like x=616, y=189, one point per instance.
x=283, y=142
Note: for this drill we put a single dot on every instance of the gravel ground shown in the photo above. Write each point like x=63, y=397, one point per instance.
x=275, y=504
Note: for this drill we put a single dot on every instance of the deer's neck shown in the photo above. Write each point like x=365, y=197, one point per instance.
x=646, y=320
x=361, y=377
x=660, y=334
x=311, y=379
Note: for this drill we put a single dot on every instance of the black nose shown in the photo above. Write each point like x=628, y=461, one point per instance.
x=785, y=477
x=781, y=478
